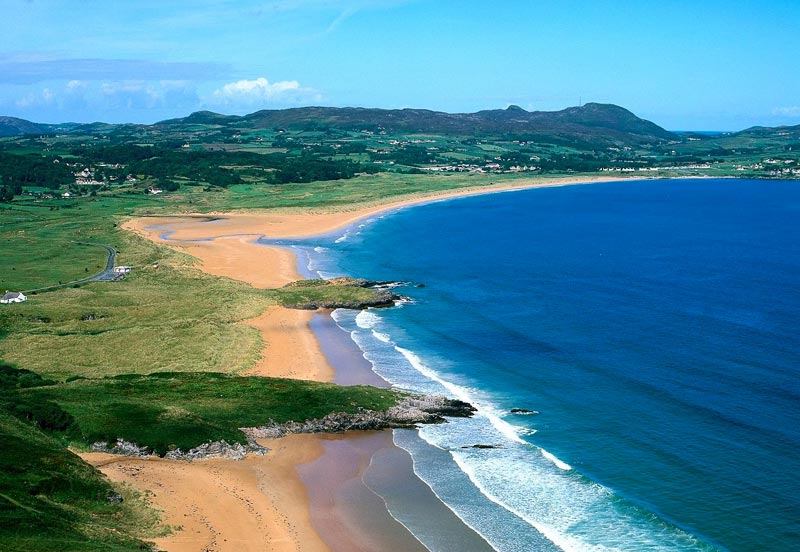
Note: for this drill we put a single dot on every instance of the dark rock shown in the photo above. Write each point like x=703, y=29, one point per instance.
x=409, y=412
x=482, y=446
x=523, y=411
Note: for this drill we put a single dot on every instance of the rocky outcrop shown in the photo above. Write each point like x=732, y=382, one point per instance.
x=409, y=412
x=121, y=447
x=216, y=449
x=381, y=295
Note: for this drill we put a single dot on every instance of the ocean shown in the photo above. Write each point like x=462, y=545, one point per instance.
x=632, y=348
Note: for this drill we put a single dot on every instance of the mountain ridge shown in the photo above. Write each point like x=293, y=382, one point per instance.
x=592, y=123
x=587, y=126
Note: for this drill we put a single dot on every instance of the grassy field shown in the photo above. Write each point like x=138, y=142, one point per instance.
x=173, y=318
x=164, y=411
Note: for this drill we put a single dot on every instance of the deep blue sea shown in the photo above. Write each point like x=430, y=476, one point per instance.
x=652, y=328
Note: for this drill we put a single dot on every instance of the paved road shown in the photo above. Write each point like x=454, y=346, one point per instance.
x=106, y=275
x=108, y=272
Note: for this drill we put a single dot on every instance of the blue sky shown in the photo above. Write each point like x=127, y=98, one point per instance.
x=686, y=65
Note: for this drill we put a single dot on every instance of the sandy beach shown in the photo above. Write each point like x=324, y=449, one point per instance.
x=263, y=503
x=225, y=505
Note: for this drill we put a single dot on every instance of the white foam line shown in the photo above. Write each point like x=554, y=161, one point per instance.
x=555, y=460
x=562, y=541
x=381, y=336
x=463, y=394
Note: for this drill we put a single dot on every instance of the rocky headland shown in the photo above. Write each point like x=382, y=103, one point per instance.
x=407, y=413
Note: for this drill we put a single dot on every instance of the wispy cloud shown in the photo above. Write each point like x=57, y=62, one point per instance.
x=789, y=111
x=341, y=18
x=104, y=96
x=258, y=93
x=21, y=69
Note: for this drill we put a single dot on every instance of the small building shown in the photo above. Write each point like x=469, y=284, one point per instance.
x=122, y=269
x=13, y=297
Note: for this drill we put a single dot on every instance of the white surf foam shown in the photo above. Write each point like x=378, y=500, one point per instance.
x=462, y=393
x=560, y=464
x=381, y=336
x=367, y=319
x=551, y=533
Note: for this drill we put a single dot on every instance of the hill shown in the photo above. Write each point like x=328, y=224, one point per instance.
x=12, y=126
x=591, y=124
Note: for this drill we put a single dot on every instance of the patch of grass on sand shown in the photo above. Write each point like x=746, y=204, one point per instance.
x=331, y=294
x=164, y=411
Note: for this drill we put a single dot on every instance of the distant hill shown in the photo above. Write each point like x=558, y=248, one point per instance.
x=593, y=123
x=202, y=118
x=11, y=126
x=587, y=127
x=793, y=131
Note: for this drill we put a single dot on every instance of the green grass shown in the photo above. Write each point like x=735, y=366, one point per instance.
x=51, y=500
x=171, y=319
x=328, y=294
x=164, y=411
x=41, y=240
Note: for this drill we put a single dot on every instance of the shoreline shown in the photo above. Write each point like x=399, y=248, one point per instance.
x=279, y=498
x=187, y=229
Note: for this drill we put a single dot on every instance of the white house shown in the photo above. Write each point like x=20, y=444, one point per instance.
x=122, y=269
x=13, y=297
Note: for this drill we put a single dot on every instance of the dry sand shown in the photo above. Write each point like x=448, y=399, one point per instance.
x=256, y=504
x=259, y=503
x=291, y=349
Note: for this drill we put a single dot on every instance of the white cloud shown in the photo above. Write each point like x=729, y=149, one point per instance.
x=125, y=99
x=43, y=97
x=258, y=89
x=790, y=111
x=247, y=94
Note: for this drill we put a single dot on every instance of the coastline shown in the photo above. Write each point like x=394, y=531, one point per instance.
x=272, y=499
x=187, y=232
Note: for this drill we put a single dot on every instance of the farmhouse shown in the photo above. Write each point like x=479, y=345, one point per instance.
x=13, y=297
x=122, y=269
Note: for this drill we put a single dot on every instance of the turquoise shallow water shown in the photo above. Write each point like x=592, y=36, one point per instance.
x=652, y=327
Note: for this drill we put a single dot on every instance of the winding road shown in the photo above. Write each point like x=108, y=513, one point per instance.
x=106, y=275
